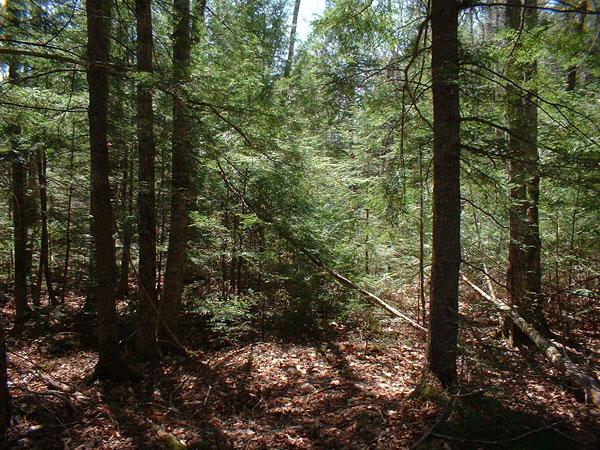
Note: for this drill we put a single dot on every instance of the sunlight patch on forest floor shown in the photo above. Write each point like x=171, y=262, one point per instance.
x=342, y=393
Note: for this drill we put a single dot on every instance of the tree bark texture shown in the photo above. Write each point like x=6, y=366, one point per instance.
x=110, y=363
x=146, y=202
x=182, y=167
x=445, y=262
x=524, y=277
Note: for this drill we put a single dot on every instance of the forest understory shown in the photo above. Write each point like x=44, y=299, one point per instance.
x=273, y=224
x=342, y=389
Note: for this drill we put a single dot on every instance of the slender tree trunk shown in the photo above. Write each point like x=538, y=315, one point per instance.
x=422, y=240
x=290, y=56
x=5, y=401
x=182, y=166
x=578, y=28
x=32, y=217
x=44, y=244
x=146, y=206
x=68, y=224
x=524, y=277
x=127, y=224
x=445, y=262
x=110, y=363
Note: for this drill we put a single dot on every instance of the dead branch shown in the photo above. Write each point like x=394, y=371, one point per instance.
x=579, y=377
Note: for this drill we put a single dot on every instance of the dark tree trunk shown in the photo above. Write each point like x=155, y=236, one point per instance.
x=292, y=43
x=445, y=261
x=20, y=232
x=524, y=276
x=44, y=244
x=181, y=170
x=146, y=205
x=19, y=196
x=110, y=363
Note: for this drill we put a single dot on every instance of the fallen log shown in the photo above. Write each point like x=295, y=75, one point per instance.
x=344, y=281
x=576, y=375
x=352, y=285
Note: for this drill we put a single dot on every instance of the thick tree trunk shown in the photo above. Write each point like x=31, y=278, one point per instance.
x=19, y=200
x=146, y=205
x=524, y=277
x=44, y=239
x=182, y=166
x=110, y=363
x=445, y=260
x=292, y=43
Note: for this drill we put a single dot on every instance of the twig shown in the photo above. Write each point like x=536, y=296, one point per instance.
x=442, y=418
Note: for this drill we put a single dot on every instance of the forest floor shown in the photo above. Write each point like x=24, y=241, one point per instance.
x=339, y=392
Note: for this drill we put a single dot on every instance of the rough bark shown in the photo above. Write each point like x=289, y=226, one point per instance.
x=110, y=363
x=445, y=260
x=22, y=309
x=182, y=164
x=579, y=377
x=19, y=198
x=146, y=205
x=524, y=277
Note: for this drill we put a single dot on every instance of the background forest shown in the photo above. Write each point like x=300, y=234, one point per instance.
x=188, y=187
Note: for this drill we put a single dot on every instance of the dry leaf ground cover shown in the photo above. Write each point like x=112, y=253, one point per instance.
x=340, y=392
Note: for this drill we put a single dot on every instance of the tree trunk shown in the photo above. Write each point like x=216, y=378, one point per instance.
x=146, y=206
x=32, y=218
x=68, y=224
x=20, y=240
x=128, y=226
x=290, y=56
x=182, y=166
x=5, y=401
x=110, y=363
x=578, y=29
x=524, y=278
x=17, y=201
x=44, y=245
x=445, y=260
x=422, y=240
